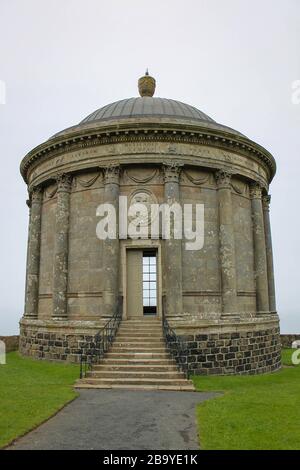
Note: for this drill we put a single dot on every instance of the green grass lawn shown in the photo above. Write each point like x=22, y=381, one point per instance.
x=31, y=391
x=254, y=412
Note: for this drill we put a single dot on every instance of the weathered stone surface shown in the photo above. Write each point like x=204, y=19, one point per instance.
x=220, y=299
x=260, y=255
x=259, y=353
x=287, y=340
x=60, y=268
x=172, y=246
x=11, y=343
x=33, y=254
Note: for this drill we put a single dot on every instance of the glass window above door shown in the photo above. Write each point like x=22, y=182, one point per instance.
x=149, y=283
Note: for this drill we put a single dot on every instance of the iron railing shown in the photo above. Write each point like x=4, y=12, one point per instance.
x=174, y=343
x=102, y=341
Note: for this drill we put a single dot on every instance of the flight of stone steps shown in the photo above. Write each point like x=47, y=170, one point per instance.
x=137, y=359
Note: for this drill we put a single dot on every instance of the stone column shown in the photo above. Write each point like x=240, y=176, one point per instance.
x=33, y=253
x=270, y=269
x=227, y=243
x=111, y=247
x=173, y=247
x=260, y=256
x=61, y=247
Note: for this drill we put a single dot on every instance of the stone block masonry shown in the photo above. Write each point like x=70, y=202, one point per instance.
x=206, y=353
x=56, y=345
x=245, y=352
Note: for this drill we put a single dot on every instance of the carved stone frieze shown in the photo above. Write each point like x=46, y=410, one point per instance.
x=87, y=183
x=138, y=179
x=196, y=181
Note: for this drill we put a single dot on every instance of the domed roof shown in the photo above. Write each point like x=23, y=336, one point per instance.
x=147, y=106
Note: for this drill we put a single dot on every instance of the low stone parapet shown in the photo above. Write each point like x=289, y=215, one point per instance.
x=11, y=342
x=287, y=340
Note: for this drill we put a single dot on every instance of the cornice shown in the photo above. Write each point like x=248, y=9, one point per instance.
x=158, y=132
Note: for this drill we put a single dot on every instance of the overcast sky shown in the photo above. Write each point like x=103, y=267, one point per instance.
x=236, y=60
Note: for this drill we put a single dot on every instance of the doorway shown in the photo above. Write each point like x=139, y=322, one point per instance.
x=142, y=291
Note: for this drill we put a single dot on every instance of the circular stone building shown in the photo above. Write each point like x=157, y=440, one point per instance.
x=219, y=299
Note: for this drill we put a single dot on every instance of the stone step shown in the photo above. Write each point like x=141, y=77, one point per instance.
x=137, y=344
x=137, y=360
x=136, y=381
x=183, y=388
x=143, y=318
x=143, y=322
x=147, y=341
x=140, y=336
x=149, y=362
x=134, y=374
x=140, y=330
x=142, y=326
x=137, y=355
x=136, y=367
x=136, y=349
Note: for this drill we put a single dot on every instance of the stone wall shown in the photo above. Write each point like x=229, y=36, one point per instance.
x=201, y=270
x=286, y=340
x=11, y=343
x=201, y=281
x=245, y=352
x=58, y=341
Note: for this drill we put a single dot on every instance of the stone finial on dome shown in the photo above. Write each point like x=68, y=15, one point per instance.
x=146, y=85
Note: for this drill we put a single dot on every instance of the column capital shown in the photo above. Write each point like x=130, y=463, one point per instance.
x=255, y=190
x=223, y=178
x=172, y=171
x=266, y=199
x=35, y=195
x=64, y=182
x=111, y=173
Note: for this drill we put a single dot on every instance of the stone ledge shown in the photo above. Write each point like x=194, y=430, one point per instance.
x=188, y=324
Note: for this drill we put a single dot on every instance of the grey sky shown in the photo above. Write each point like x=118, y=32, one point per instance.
x=236, y=60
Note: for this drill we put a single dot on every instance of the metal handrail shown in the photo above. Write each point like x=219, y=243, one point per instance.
x=175, y=344
x=102, y=341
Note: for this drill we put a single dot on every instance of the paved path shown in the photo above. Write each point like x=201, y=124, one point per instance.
x=121, y=419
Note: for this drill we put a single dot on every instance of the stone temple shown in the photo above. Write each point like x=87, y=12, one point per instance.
x=219, y=300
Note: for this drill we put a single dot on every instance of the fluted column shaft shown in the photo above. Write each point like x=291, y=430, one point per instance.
x=111, y=247
x=270, y=268
x=227, y=243
x=260, y=257
x=173, y=247
x=33, y=254
x=61, y=247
